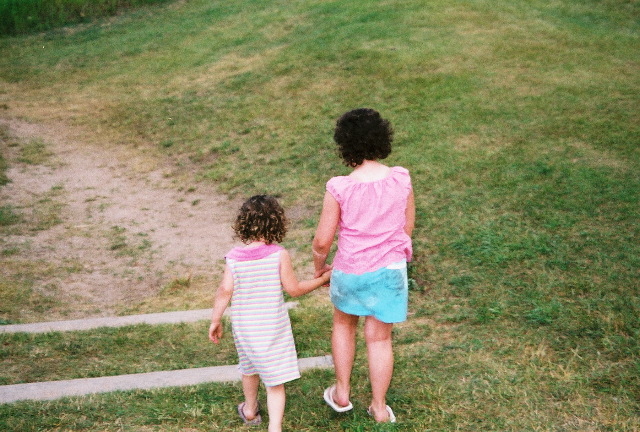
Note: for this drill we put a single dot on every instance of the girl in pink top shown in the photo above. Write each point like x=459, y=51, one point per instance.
x=373, y=210
x=253, y=281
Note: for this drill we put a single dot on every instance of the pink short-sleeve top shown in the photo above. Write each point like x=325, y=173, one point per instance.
x=372, y=219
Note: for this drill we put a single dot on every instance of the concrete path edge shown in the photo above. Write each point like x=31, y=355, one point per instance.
x=121, y=321
x=51, y=390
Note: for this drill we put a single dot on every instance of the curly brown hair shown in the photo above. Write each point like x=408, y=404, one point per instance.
x=362, y=134
x=261, y=218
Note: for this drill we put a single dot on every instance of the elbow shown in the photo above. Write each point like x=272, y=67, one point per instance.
x=409, y=226
x=409, y=230
x=294, y=292
x=320, y=246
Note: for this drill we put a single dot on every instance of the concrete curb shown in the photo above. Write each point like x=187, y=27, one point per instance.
x=51, y=390
x=93, y=323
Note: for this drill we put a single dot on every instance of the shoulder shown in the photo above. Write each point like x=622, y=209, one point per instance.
x=402, y=175
x=233, y=253
x=284, y=255
x=286, y=265
x=400, y=170
x=337, y=184
x=277, y=249
x=338, y=181
x=253, y=253
x=272, y=249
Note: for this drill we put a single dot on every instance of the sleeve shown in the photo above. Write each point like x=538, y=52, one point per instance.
x=403, y=178
x=334, y=188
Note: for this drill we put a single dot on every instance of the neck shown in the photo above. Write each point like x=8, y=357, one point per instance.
x=256, y=243
x=370, y=170
x=367, y=163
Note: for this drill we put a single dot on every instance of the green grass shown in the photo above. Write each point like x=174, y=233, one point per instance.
x=519, y=124
x=34, y=153
x=8, y=216
x=136, y=349
x=5, y=143
x=106, y=352
x=29, y=16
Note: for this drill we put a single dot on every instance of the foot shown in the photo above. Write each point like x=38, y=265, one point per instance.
x=249, y=414
x=329, y=398
x=250, y=418
x=382, y=416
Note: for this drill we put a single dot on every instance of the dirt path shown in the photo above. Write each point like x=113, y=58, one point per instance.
x=114, y=227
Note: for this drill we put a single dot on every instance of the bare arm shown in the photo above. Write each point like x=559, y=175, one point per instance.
x=290, y=282
x=325, y=233
x=410, y=214
x=223, y=296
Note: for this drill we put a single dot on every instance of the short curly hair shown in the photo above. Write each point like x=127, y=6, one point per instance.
x=261, y=218
x=362, y=134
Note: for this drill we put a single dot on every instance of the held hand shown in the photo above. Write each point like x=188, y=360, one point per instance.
x=215, y=332
x=326, y=277
x=327, y=268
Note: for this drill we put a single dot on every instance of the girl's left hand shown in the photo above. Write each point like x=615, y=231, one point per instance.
x=322, y=271
x=215, y=332
x=327, y=276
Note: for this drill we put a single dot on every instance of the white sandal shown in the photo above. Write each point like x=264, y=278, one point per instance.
x=328, y=398
x=392, y=417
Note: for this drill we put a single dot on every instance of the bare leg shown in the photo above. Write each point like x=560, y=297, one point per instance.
x=380, y=352
x=343, y=345
x=276, y=399
x=250, y=385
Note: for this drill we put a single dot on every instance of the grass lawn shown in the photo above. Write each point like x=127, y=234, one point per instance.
x=519, y=123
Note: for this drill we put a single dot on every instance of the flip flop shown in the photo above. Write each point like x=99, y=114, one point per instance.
x=392, y=417
x=254, y=421
x=328, y=398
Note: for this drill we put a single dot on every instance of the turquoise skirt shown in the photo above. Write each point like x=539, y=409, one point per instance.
x=383, y=293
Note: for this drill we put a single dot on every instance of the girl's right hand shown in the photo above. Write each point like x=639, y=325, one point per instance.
x=215, y=332
x=326, y=269
x=326, y=277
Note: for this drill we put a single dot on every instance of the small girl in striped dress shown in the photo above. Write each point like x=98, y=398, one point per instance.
x=254, y=277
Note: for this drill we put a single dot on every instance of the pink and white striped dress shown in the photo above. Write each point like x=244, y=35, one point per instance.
x=260, y=322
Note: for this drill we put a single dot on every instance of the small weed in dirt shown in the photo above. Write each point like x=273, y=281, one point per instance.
x=177, y=284
x=5, y=140
x=8, y=216
x=125, y=246
x=46, y=214
x=10, y=251
x=3, y=171
x=34, y=152
x=118, y=239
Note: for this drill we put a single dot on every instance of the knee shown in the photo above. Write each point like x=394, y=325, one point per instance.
x=277, y=389
x=379, y=333
x=371, y=338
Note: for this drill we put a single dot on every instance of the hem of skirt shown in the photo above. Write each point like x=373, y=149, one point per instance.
x=283, y=381
x=366, y=314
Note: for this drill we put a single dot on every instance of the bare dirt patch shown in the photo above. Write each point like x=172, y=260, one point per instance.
x=119, y=230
